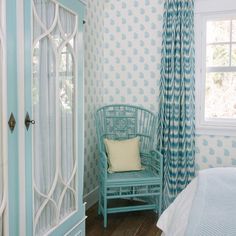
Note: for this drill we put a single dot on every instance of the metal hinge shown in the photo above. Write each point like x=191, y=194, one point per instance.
x=12, y=122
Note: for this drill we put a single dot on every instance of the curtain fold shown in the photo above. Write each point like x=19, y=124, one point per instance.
x=176, y=123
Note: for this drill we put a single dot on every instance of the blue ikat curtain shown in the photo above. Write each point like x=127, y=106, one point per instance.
x=176, y=128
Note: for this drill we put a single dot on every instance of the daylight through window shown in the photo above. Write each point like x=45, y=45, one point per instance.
x=220, y=84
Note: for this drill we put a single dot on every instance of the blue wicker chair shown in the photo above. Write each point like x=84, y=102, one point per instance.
x=119, y=122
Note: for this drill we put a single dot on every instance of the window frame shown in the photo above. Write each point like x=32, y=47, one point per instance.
x=210, y=126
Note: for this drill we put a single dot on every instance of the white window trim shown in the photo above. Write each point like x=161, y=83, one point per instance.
x=224, y=127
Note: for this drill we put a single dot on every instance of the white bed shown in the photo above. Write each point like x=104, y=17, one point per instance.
x=175, y=219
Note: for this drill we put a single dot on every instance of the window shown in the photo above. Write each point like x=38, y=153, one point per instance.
x=216, y=73
x=220, y=85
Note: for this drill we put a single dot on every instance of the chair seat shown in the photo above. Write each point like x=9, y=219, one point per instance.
x=133, y=177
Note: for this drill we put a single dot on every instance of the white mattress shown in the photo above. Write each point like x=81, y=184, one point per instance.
x=174, y=219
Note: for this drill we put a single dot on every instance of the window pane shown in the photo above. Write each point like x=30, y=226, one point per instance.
x=218, y=31
x=220, y=99
x=218, y=55
x=234, y=31
x=233, y=58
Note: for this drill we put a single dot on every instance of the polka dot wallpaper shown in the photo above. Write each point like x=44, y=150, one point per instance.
x=132, y=52
x=122, y=65
x=93, y=39
x=215, y=151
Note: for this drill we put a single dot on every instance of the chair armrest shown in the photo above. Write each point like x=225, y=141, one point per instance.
x=103, y=164
x=156, y=162
x=156, y=154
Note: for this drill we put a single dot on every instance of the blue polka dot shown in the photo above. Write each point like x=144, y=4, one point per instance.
x=204, y=159
x=234, y=144
x=211, y=151
x=134, y=99
x=205, y=142
x=226, y=152
x=141, y=91
x=218, y=160
x=147, y=2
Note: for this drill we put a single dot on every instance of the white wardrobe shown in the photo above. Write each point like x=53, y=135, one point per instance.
x=41, y=117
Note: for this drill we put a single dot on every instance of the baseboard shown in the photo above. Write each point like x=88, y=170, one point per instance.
x=91, y=198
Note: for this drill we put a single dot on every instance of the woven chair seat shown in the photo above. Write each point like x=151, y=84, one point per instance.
x=141, y=176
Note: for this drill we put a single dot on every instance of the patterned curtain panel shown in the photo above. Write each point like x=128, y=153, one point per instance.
x=176, y=112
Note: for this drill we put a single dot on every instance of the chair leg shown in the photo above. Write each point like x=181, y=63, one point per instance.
x=105, y=211
x=99, y=203
x=157, y=205
x=160, y=204
x=105, y=220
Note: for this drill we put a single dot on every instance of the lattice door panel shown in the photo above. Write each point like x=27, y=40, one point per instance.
x=55, y=32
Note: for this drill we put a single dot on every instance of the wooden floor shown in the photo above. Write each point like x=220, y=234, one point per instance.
x=142, y=223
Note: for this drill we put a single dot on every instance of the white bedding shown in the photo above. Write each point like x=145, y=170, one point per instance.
x=211, y=194
x=174, y=219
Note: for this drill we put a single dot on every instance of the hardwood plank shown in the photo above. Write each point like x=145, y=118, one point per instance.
x=149, y=226
x=142, y=223
x=130, y=225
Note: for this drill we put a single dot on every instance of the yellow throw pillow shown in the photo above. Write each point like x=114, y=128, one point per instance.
x=123, y=155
